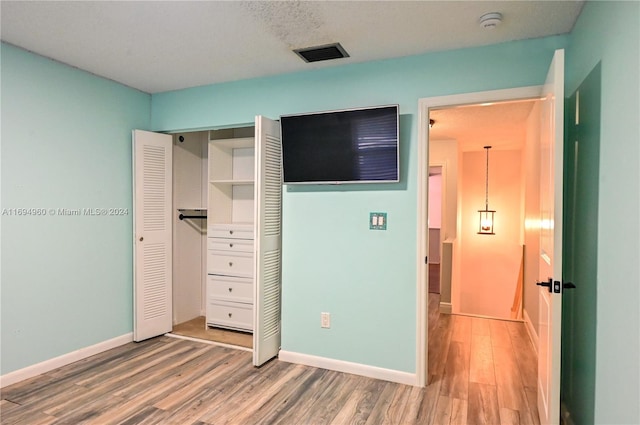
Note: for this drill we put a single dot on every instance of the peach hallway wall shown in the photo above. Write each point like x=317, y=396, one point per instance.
x=490, y=263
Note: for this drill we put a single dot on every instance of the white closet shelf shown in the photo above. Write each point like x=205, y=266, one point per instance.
x=204, y=209
x=232, y=182
x=235, y=143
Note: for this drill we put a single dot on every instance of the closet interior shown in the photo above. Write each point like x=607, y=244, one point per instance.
x=212, y=187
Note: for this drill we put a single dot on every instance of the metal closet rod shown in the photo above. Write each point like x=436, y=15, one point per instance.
x=182, y=216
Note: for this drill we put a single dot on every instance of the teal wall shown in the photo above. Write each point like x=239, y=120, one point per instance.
x=609, y=32
x=66, y=143
x=580, y=250
x=332, y=262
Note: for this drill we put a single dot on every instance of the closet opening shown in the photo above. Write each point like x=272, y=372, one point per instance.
x=191, y=180
x=227, y=270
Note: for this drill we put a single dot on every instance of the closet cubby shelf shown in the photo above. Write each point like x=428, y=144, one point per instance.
x=234, y=143
x=232, y=181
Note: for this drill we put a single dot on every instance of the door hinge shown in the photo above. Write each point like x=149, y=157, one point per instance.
x=426, y=260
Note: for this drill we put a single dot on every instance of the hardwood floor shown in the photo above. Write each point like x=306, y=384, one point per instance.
x=434, y=278
x=485, y=370
x=482, y=371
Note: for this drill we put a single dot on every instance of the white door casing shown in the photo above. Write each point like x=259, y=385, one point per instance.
x=550, y=269
x=425, y=104
x=152, y=233
x=268, y=239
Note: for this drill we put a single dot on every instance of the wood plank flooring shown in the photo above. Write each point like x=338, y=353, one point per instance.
x=434, y=278
x=482, y=371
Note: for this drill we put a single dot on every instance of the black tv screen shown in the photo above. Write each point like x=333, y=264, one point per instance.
x=347, y=146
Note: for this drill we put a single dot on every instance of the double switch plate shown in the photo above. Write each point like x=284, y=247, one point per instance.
x=377, y=221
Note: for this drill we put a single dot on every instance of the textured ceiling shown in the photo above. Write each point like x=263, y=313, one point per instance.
x=501, y=125
x=157, y=46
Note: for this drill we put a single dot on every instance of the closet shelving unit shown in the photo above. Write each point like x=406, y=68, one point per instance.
x=230, y=230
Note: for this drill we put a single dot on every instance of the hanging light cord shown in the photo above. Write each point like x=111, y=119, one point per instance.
x=486, y=188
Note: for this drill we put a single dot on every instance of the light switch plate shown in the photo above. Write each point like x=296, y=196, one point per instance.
x=377, y=221
x=325, y=320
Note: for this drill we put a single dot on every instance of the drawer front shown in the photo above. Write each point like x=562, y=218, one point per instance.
x=223, y=263
x=234, y=289
x=230, y=315
x=230, y=231
x=231, y=245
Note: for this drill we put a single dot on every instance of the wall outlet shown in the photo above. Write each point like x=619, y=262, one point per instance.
x=325, y=320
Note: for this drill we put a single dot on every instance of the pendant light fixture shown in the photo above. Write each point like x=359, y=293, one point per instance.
x=486, y=215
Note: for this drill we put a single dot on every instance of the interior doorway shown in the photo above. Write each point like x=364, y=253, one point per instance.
x=487, y=141
x=451, y=225
x=469, y=334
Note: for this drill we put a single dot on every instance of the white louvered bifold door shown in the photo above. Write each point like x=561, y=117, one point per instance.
x=152, y=268
x=268, y=231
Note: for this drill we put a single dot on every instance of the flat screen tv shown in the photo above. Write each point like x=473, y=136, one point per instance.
x=346, y=146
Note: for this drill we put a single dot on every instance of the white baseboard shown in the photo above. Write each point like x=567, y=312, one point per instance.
x=531, y=330
x=446, y=308
x=349, y=367
x=63, y=360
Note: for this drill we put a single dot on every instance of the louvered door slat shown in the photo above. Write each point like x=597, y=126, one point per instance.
x=268, y=222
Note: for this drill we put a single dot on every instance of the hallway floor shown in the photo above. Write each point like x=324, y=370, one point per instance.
x=434, y=278
x=481, y=371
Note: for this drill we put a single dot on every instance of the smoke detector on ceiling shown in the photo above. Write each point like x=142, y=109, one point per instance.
x=490, y=20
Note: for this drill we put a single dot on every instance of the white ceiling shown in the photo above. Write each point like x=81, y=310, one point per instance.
x=156, y=46
x=501, y=125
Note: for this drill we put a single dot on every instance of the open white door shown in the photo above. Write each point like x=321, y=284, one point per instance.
x=550, y=271
x=152, y=262
x=268, y=231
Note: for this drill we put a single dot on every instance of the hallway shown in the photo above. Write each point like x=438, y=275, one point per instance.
x=481, y=371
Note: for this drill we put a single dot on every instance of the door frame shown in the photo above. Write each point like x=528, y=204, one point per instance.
x=422, y=289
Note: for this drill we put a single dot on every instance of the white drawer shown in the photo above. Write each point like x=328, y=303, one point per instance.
x=231, y=231
x=231, y=245
x=230, y=264
x=234, y=289
x=230, y=315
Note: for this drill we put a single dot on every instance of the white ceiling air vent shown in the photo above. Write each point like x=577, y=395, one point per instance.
x=322, y=53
